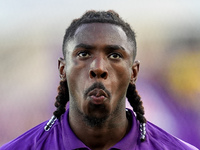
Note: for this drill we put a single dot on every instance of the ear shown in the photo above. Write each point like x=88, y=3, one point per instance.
x=135, y=71
x=61, y=68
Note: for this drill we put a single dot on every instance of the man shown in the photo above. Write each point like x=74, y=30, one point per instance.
x=97, y=73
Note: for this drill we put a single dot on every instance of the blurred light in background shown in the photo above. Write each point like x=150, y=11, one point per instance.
x=168, y=37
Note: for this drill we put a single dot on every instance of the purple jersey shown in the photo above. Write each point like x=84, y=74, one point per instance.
x=61, y=137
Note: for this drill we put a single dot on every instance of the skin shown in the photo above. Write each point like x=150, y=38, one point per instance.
x=99, y=53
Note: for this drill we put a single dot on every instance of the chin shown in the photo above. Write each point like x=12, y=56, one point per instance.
x=97, y=115
x=93, y=121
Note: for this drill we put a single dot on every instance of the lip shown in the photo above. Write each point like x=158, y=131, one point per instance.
x=97, y=96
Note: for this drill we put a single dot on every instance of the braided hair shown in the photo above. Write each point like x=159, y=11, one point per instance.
x=61, y=99
x=100, y=17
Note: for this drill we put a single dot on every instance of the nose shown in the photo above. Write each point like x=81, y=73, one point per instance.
x=98, y=69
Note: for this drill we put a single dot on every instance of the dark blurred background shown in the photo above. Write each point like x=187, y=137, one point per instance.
x=168, y=37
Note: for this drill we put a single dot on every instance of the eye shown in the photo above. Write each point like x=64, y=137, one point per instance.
x=83, y=54
x=115, y=56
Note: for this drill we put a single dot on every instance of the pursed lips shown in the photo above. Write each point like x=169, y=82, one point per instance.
x=98, y=92
x=97, y=96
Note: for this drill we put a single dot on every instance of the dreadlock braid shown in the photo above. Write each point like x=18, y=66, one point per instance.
x=61, y=99
x=135, y=101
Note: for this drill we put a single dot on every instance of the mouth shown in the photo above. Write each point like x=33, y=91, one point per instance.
x=98, y=94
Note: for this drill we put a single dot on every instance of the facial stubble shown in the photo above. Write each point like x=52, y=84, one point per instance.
x=91, y=119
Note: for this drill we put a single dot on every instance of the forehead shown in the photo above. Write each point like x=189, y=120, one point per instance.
x=106, y=33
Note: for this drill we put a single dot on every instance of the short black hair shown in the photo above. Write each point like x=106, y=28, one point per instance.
x=100, y=17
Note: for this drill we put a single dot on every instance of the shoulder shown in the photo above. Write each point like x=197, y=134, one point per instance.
x=160, y=139
x=27, y=139
x=35, y=138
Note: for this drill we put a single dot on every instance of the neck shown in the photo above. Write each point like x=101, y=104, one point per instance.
x=101, y=137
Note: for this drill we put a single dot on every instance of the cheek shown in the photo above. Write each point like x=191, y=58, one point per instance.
x=120, y=77
x=123, y=73
x=120, y=80
x=76, y=76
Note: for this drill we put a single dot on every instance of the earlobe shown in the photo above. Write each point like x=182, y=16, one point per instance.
x=135, y=71
x=61, y=68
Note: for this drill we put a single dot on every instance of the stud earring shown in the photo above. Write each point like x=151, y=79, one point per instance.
x=62, y=77
x=132, y=81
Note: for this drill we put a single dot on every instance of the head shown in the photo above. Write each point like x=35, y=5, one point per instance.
x=99, y=69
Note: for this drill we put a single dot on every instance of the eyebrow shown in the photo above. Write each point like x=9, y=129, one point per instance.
x=110, y=47
x=115, y=47
x=85, y=46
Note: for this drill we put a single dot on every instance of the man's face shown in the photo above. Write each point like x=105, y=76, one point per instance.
x=99, y=67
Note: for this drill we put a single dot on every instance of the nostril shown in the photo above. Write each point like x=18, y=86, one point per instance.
x=103, y=75
x=98, y=74
x=93, y=74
